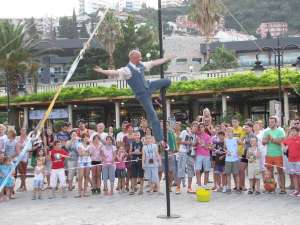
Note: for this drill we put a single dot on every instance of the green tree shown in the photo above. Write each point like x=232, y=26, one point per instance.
x=207, y=14
x=143, y=38
x=14, y=52
x=66, y=28
x=92, y=57
x=222, y=58
x=109, y=34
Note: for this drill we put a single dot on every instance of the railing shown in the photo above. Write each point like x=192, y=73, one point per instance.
x=122, y=83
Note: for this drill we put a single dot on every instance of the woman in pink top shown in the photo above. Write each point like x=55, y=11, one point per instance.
x=95, y=149
x=203, y=147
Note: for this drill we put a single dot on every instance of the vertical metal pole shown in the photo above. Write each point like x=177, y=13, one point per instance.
x=163, y=96
x=8, y=98
x=279, y=79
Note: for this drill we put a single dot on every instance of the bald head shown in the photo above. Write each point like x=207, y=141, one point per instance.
x=135, y=56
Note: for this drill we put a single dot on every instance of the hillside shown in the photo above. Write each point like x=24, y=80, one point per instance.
x=250, y=13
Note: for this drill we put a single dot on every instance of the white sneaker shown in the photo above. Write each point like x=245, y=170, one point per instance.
x=224, y=190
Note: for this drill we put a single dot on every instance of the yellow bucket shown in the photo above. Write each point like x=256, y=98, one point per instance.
x=203, y=195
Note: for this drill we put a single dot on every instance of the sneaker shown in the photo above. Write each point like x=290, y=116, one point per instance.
x=224, y=190
x=131, y=192
x=33, y=198
x=177, y=191
x=140, y=192
x=228, y=191
x=282, y=192
x=250, y=192
x=257, y=193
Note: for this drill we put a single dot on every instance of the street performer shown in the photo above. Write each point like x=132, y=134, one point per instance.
x=134, y=74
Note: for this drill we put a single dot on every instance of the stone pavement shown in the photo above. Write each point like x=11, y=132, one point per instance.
x=223, y=209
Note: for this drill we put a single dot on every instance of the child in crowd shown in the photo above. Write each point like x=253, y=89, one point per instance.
x=219, y=149
x=231, y=160
x=150, y=162
x=38, y=180
x=5, y=170
x=269, y=182
x=84, y=164
x=254, y=170
x=57, y=156
x=108, y=168
x=121, y=168
x=292, y=147
x=95, y=149
x=136, y=166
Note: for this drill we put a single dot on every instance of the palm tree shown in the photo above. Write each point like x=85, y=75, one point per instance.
x=207, y=14
x=108, y=35
x=14, y=52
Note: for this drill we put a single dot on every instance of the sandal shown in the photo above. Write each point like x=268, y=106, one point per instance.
x=282, y=192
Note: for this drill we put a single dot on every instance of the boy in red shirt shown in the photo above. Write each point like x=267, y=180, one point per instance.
x=57, y=155
x=292, y=145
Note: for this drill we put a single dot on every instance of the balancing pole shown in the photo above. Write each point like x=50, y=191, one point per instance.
x=164, y=110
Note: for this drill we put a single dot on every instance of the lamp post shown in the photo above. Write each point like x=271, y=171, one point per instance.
x=278, y=62
x=164, y=110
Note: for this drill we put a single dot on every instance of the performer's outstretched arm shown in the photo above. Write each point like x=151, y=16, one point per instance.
x=158, y=62
x=108, y=73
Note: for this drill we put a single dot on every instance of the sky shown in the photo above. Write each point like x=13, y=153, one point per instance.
x=41, y=8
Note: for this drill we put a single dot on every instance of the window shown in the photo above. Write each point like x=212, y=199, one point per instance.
x=181, y=60
x=196, y=60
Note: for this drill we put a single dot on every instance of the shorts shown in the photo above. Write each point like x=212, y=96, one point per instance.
x=108, y=173
x=48, y=167
x=83, y=163
x=94, y=163
x=190, y=166
x=137, y=170
x=152, y=174
x=202, y=162
x=254, y=171
x=22, y=167
x=121, y=173
x=274, y=161
x=232, y=167
x=294, y=168
x=9, y=182
x=219, y=169
x=170, y=162
x=72, y=172
x=38, y=183
x=57, y=174
x=181, y=164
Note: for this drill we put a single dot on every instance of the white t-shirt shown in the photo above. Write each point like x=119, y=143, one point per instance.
x=186, y=136
x=124, y=73
x=102, y=136
x=3, y=140
x=120, y=136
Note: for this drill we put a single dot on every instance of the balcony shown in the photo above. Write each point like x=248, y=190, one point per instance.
x=174, y=77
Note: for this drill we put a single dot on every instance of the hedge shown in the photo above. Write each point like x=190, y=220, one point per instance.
x=237, y=80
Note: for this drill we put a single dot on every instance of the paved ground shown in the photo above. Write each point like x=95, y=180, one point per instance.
x=223, y=209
